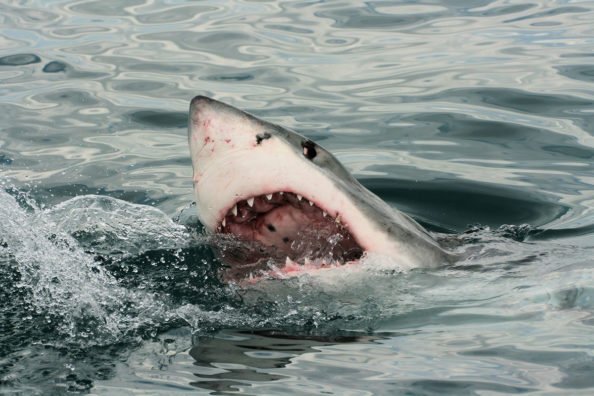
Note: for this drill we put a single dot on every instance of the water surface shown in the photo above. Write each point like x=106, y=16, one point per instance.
x=475, y=119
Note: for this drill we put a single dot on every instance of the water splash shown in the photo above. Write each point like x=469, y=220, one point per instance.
x=111, y=226
x=66, y=286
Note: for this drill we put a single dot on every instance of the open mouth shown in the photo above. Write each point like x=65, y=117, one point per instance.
x=284, y=225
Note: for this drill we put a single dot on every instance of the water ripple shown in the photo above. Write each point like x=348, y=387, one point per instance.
x=458, y=113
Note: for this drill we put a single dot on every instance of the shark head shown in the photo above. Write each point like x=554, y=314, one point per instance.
x=279, y=191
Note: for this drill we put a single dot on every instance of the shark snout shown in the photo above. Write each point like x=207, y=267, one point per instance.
x=199, y=107
x=215, y=127
x=204, y=129
x=198, y=103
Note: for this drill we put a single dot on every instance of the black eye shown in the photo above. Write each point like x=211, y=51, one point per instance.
x=309, y=149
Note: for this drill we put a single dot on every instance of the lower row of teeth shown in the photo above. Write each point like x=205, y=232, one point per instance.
x=250, y=203
x=288, y=261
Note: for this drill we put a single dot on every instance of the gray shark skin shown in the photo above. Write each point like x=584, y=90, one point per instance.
x=273, y=187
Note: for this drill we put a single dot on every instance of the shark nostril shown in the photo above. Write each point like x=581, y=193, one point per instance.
x=262, y=136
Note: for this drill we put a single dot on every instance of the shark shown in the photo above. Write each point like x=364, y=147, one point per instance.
x=275, y=197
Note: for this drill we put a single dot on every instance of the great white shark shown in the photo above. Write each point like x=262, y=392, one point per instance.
x=284, y=198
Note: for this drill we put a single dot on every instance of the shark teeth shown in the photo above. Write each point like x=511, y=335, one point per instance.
x=245, y=212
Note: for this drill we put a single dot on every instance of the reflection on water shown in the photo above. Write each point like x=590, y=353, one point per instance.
x=476, y=118
x=246, y=356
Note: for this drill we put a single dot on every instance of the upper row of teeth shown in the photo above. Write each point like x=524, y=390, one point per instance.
x=250, y=202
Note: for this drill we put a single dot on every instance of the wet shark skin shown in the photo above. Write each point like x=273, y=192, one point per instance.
x=236, y=155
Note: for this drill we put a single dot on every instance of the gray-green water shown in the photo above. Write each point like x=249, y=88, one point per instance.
x=477, y=118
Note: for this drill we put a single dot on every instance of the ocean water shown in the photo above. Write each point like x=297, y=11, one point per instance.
x=476, y=118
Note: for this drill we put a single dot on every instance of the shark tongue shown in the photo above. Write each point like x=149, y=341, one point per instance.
x=281, y=226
